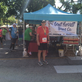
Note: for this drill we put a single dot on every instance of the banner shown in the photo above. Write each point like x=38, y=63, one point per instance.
x=62, y=28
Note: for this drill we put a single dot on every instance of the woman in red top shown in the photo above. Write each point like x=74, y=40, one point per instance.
x=1, y=37
x=42, y=40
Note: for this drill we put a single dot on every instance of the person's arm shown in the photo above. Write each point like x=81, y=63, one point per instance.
x=30, y=34
x=48, y=38
x=10, y=34
x=37, y=38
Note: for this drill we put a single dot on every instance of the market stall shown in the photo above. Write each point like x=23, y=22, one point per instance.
x=50, y=13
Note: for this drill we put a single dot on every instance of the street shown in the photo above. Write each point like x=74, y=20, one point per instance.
x=15, y=68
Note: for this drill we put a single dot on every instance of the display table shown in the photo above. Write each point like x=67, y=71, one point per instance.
x=68, y=48
x=71, y=40
x=33, y=47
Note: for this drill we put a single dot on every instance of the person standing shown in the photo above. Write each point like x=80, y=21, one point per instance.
x=4, y=31
x=20, y=31
x=13, y=36
x=17, y=38
x=27, y=37
x=42, y=40
x=1, y=40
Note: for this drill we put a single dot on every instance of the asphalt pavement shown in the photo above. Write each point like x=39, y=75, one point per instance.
x=15, y=68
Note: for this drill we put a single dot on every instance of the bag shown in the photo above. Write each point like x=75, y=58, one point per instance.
x=25, y=53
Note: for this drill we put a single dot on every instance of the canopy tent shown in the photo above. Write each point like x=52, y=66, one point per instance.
x=52, y=14
x=3, y=26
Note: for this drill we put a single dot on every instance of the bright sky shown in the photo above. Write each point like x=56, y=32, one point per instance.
x=58, y=4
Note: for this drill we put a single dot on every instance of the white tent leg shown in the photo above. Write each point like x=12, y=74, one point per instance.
x=23, y=34
x=81, y=34
x=80, y=38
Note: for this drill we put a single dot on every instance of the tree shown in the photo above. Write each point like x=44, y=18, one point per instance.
x=3, y=9
x=35, y=5
x=13, y=7
x=71, y=6
x=12, y=19
x=16, y=7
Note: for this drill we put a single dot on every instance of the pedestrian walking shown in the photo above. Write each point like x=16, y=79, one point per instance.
x=20, y=32
x=13, y=36
x=1, y=40
x=4, y=31
x=27, y=38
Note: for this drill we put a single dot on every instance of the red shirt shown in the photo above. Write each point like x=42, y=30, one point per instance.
x=0, y=33
x=42, y=35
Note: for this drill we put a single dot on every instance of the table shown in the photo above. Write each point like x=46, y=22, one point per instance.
x=33, y=47
x=67, y=48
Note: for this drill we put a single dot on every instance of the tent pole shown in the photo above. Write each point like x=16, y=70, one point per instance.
x=81, y=34
x=23, y=34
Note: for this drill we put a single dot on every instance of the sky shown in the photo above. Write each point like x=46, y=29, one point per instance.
x=58, y=4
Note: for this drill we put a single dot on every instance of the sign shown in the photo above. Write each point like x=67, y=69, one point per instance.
x=62, y=28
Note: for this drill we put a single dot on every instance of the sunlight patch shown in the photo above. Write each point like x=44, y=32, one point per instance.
x=68, y=69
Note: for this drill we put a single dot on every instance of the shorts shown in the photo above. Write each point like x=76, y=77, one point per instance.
x=43, y=46
x=1, y=39
x=13, y=40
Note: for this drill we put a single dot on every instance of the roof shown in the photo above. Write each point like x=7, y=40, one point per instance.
x=49, y=10
x=51, y=13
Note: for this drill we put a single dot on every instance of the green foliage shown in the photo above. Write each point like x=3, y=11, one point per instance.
x=3, y=9
x=1, y=22
x=12, y=19
x=71, y=6
x=16, y=7
x=35, y=5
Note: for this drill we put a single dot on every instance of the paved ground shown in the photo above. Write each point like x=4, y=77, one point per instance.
x=6, y=53
x=14, y=68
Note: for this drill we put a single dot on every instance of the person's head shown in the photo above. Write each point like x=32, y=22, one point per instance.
x=14, y=25
x=43, y=22
x=30, y=27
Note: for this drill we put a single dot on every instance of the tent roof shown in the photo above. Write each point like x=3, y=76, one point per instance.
x=3, y=26
x=51, y=13
x=49, y=10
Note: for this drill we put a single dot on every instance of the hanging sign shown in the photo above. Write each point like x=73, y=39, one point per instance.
x=62, y=28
